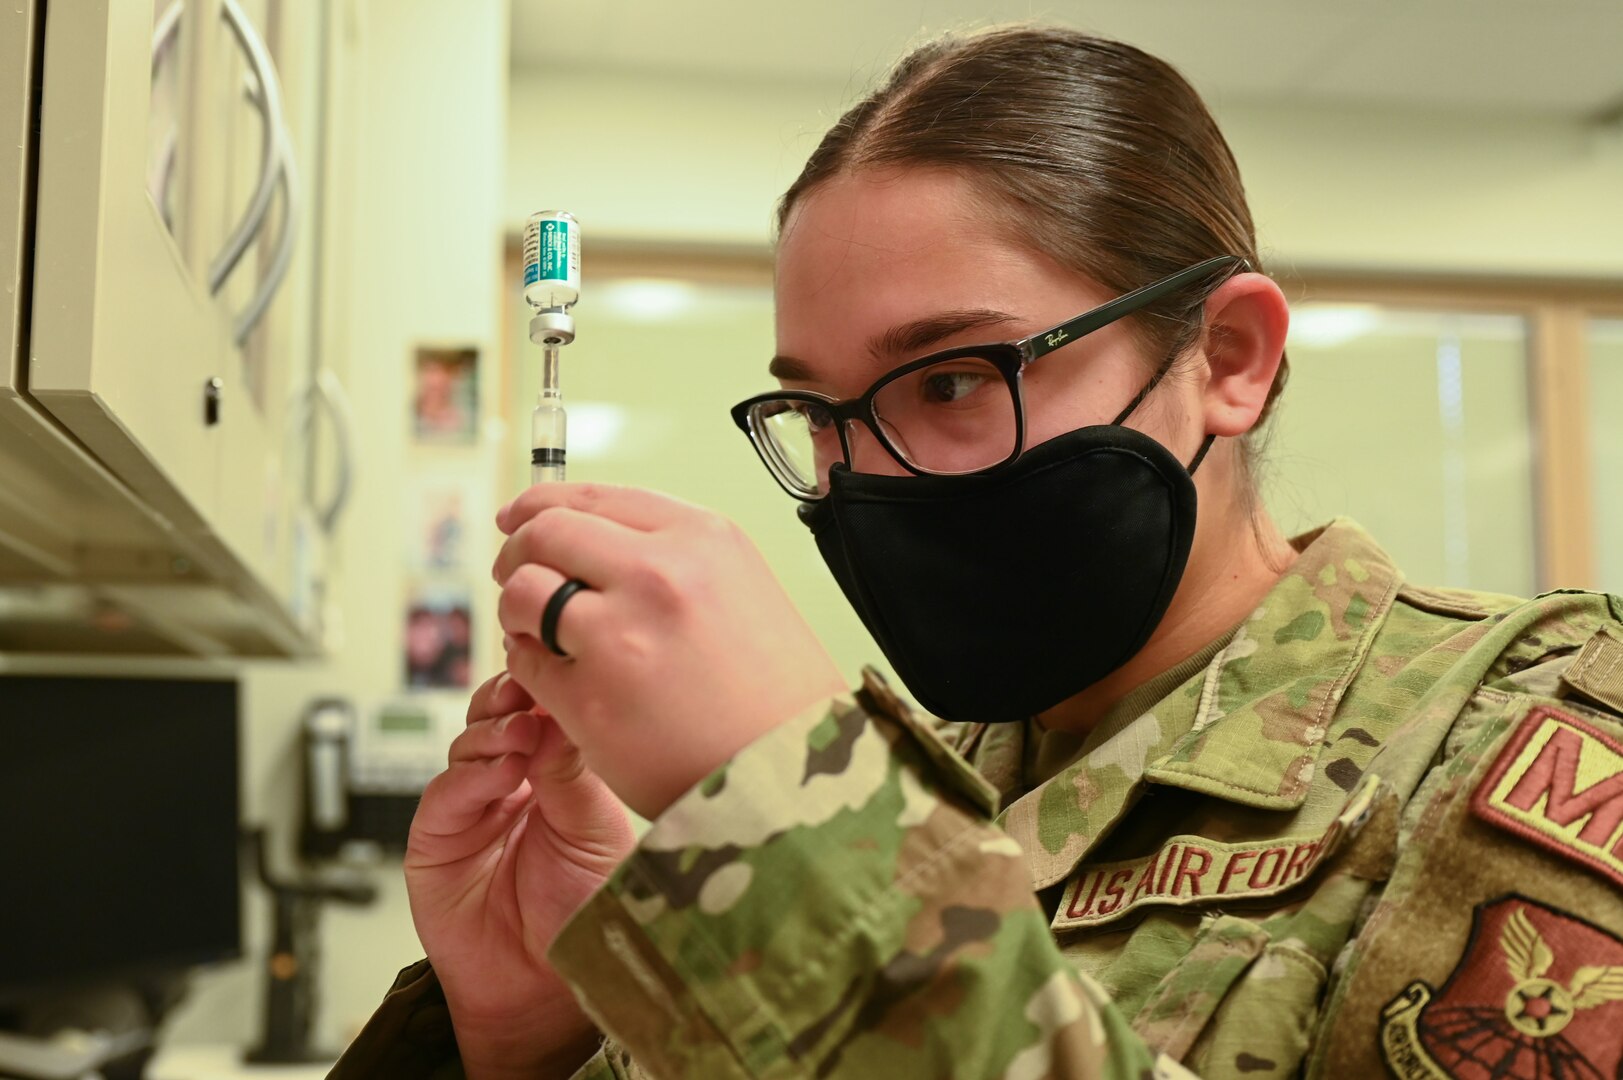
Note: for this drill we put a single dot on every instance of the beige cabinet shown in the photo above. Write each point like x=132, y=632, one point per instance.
x=171, y=347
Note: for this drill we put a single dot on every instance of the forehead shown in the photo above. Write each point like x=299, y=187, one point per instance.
x=904, y=228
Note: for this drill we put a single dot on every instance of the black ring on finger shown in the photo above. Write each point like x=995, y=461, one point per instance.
x=554, y=609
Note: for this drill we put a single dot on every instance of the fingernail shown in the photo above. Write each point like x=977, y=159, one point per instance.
x=507, y=642
x=504, y=678
x=501, y=725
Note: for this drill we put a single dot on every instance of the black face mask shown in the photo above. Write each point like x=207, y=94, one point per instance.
x=998, y=595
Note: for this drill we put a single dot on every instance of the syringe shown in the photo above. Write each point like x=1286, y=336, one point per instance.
x=551, y=287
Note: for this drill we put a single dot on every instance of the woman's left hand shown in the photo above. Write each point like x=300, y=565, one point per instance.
x=683, y=650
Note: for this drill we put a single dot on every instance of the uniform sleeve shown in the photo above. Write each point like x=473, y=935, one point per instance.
x=408, y=1038
x=835, y=902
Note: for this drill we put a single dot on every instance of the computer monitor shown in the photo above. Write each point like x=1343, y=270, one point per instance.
x=118, y=829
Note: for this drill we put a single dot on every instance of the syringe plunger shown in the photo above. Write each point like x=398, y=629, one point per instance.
x=547, y=432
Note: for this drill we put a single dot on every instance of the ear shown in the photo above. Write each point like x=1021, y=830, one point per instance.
x=1246, y=320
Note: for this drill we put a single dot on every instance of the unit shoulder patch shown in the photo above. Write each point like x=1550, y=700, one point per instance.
x=1537, y=993
x=1558, y=783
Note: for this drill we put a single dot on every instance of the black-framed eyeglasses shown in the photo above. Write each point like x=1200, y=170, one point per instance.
x=951, y=413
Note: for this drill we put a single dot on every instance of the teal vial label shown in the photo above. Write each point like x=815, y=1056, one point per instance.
x=553, y=258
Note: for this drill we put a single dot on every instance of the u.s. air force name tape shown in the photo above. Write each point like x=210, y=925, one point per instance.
x=1558, y=782
x=1195, y=870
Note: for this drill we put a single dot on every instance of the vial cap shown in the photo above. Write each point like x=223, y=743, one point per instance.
x=552, y=328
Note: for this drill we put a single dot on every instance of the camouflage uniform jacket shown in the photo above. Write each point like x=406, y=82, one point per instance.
x=1369, y=811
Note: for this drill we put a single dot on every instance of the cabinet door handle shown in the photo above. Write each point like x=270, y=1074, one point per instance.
x=166, y=176
x=164, y=32
x=270, y=100
x=288, y=182
x=332, y=396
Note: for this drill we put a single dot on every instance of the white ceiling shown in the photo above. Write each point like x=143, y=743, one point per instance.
x=1499, y=55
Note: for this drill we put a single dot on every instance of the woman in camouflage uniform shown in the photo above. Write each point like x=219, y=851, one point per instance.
x=1214, y=802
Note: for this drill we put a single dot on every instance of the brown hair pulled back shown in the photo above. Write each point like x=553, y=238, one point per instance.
x=1106, y=159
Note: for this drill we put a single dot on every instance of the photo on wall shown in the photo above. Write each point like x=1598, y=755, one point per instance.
x=445, y=394
x=438, y=635
x=436, y=522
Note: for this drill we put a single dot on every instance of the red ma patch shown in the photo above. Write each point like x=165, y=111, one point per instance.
x=1538, y=994
x=1558, y=782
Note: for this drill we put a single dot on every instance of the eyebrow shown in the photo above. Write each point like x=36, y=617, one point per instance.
x=906, y=339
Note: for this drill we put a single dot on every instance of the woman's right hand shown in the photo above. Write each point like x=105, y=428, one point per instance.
x=508, y=842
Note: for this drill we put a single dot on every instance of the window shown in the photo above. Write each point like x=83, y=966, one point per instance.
x=1416, y=424
x=1493, y=460
x=1605, y=349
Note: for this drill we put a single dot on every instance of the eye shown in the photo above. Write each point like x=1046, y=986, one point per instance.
x=817, y=417
x=946, y=387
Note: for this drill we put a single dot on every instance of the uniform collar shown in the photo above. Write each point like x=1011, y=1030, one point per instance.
x=1250, y=727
